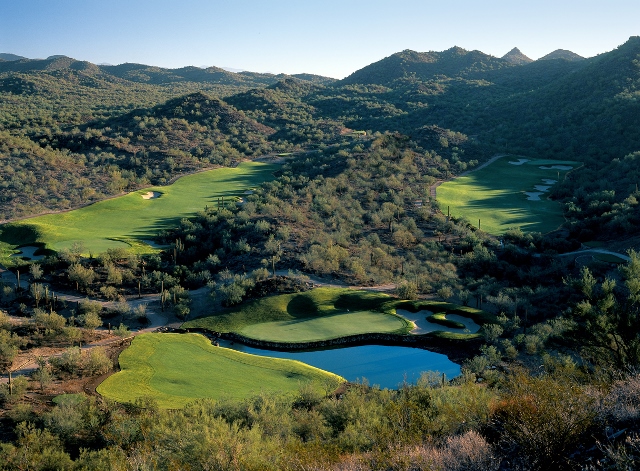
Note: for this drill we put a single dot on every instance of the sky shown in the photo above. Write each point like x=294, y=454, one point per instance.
x=333, y=38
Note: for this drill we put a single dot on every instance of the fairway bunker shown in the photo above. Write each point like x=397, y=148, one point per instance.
x=533, y=195
x=519, y=162
x=28, y=253
x=542, y=188
x=151, y=195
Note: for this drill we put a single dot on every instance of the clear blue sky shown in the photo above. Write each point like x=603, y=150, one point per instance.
x=328, y=37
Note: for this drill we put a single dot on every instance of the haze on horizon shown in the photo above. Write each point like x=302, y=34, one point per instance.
x=331, y=38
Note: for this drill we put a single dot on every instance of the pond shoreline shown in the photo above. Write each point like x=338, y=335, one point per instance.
x=456, y=350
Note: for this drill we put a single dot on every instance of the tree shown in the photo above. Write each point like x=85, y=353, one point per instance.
x=91, y=320
x=81, y=276
x=609, y=317
x=9, y=344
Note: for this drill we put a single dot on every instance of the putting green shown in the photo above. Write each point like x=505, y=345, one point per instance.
x=130, y=219
x=507, y=194
x=326, y=327
x=175, y=369
x=319, y=314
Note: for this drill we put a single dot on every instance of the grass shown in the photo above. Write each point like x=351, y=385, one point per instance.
x=128, y=220
x=319, y=314
x=442, y=308
x=609, y=258
x=175, y=369
x=441, y=319
x=496, y=196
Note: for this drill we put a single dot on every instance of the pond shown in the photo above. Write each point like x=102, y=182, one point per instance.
x=380, y=365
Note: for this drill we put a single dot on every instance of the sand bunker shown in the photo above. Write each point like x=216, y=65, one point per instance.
x=548, y=181
x=422, y=325
x=533, y=195
x=557, y=167
x=519, y=162
x=248, y=192
x=151, y=195
x=541, y=188
x=28, y=253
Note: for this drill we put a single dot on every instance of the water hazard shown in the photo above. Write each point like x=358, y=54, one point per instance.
x=380, y=365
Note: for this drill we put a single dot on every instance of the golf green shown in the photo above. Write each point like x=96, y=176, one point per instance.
x=327, y=327
x=509, y=193
x=130, y=219
x=175, y=369
x=319, y=314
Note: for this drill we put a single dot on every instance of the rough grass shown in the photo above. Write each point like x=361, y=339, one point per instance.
x=175, y=369
x=127, y=220
x=319, y=314
x=496, y=196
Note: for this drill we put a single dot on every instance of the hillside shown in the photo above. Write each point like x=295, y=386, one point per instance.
x=515, y=56
x=562, y=54
x=424, y=66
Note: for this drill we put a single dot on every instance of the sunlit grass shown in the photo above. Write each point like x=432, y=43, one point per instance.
x=319, y=314
x=495, y=198
x=175, y=369
x=128, y=220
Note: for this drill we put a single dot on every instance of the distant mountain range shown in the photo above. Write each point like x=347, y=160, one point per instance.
x=152, y=74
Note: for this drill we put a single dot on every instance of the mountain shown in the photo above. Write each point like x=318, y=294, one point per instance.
x=562, y=54
x=515, y=56
x=5, y=56
x=423, y=66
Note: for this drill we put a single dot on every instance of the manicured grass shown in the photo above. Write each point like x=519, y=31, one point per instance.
x=609, y=258
x=441, y=319
x=175, y=369
x=127, y=220
x=440, y=307
x=326, y=327
x=496, y=196
x=319, y=314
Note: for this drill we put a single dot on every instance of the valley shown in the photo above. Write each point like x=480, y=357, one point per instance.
x=170, y=235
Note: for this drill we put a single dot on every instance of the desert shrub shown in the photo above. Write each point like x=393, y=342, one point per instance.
x=542, y=419
x=19, y=386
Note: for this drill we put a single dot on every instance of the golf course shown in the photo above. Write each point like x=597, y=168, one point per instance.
x=129, y=220
x=509, y=193
x=175, y=369
x=319, y=314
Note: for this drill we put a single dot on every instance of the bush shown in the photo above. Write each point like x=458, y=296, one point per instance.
x=545, y=418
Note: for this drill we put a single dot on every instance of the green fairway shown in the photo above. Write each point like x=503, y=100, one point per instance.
x=504, y=195
x=319, y=314
x=175, y=369
x=128, y=220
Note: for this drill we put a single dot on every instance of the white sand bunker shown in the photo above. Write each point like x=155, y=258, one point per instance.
x=423, y=326
x=557, y=167
x=542, y=188
x=533, y=195
x=28, y=253
x=151, y=195
x=548, y=181
x=519, y=161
